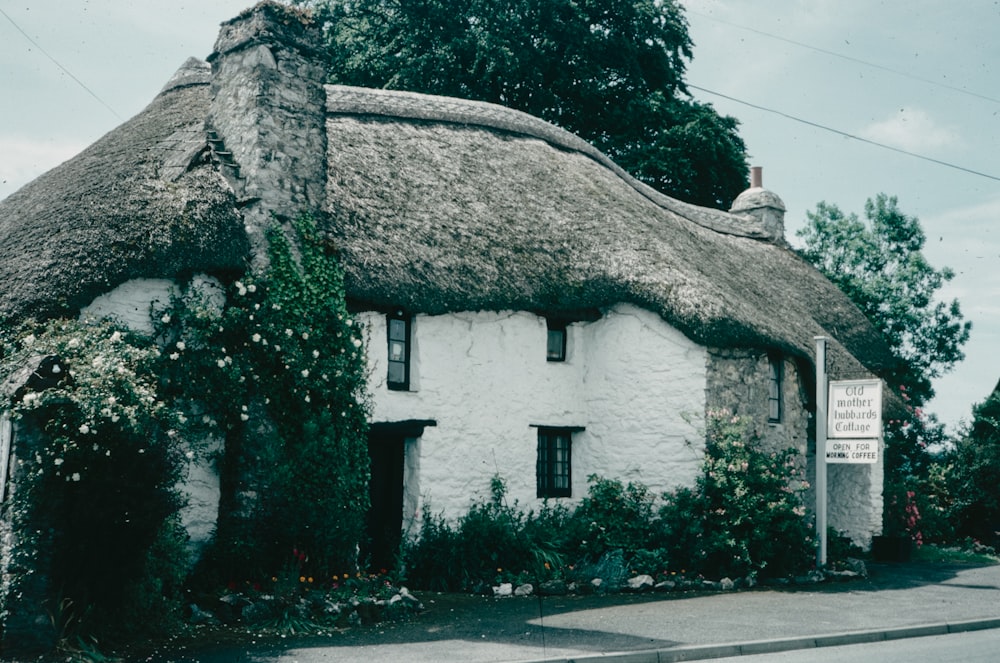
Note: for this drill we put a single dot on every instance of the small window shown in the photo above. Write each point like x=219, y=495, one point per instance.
x=774, y=408
x=399, y=351
x=556, y=349
x=553, y=467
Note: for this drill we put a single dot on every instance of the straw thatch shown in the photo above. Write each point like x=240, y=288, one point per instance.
x=444, y=205
x=437, y=205
x=133, y=204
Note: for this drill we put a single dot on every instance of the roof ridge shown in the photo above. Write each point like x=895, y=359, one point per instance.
x=351, y=100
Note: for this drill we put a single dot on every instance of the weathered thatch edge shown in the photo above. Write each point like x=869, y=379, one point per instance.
x=347, y=100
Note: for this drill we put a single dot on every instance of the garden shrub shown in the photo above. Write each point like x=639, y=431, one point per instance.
x=98, y=462
x=745, y=516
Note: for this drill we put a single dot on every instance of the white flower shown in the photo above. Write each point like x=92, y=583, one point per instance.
x=255, y=338
x=117, y=336
x=307, y=399
x=221, y=363
x=58, y=461
x=56, y=369
x=305, y=336
x=181, y=346
x=315, y=354
x=174, y=356
x=244, y=416
x=288, y=333
x=76, y=476
x=242, y=289
x=305, y=372
x=189, y=455
x=357, y=342
x=165, y=319
x=84, y=429
x=251, y=288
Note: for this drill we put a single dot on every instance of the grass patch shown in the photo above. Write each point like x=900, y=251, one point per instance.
x=953, y=554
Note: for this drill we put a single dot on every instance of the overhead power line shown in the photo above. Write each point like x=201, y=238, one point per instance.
x=58, y=64
x=844, y=133
x=849, y=58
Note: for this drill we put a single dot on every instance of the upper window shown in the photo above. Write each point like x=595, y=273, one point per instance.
x=556, y=347
x=554, y=466
x=775, y=376
x=399, y=351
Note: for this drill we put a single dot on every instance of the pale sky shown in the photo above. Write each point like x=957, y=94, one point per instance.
x=917, y=75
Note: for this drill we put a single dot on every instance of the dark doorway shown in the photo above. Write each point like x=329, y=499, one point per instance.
x=385, y=489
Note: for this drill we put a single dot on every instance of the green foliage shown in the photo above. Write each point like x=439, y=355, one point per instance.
x=109, y=419
x=283, y=362
x=98, y=465
x=974, y=477
x=613, y=516
x=610, y=71
x=745, y=516
x=880, y=265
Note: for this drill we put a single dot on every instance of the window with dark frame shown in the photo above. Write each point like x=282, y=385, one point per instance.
x=398, y=325
x=554, y=466
x=774, y=409
x=556, y=347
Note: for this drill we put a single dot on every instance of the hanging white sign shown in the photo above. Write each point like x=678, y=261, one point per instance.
x=851, y=451
x=855, y=410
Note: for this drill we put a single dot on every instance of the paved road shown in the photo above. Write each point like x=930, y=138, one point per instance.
x=897, y=601
x=969, y=647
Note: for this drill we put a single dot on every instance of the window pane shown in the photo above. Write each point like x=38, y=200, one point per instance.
x=397, y=351
x=557, y=345
x=397, y=372
x=397, y=330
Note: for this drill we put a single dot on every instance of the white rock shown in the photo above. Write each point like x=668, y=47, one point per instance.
x=504, y=589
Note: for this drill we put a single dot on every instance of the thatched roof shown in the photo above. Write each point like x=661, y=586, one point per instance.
x=437, y=205
x=443, y=205
x=127, y=206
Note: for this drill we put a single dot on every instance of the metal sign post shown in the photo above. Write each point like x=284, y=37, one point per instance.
x=821, y=404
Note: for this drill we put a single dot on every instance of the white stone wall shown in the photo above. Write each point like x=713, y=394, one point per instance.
x=634, y=383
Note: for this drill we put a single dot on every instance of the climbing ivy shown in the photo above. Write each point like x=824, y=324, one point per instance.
x=282, y=366
x=266, y=373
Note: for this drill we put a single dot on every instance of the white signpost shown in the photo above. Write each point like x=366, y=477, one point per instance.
x=848, y=430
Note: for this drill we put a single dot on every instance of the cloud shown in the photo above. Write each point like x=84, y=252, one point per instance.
x=913, y=130
x=24, y=159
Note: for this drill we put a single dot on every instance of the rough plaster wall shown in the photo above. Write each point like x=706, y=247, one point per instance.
x=635, y=384
x=130, y=303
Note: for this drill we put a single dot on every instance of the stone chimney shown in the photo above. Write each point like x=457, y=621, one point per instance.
x=267, y=120
x=763, y=205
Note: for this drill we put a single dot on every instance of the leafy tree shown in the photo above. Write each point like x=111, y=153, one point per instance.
x=879, y=263
x=975, y=475
x=609, y=70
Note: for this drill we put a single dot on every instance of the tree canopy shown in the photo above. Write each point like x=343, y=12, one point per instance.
x=610, y=71
x=879, y=263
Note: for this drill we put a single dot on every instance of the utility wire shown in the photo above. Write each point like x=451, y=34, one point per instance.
x=849, y=58
x=58, y=64
x=844, y=133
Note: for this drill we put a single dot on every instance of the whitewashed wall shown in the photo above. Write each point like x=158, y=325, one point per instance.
x=633, y=382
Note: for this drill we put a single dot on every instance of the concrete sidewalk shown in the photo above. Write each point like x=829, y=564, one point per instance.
x=898, y=600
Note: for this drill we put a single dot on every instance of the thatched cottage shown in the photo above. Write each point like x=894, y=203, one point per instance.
x=531, y=310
